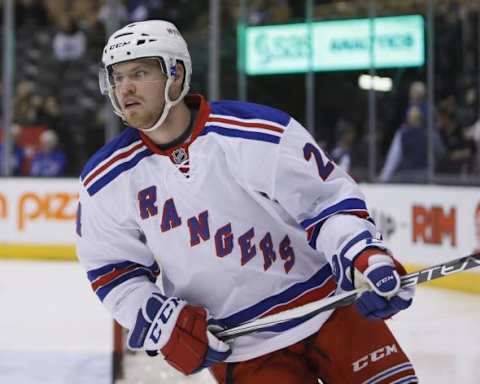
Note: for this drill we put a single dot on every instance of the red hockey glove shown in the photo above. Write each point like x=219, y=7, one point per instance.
x=179, y=331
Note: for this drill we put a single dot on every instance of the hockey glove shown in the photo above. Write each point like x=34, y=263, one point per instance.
x=380, y=272
x=179, y=331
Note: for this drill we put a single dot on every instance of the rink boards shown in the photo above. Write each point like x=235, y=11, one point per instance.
x=423, y=225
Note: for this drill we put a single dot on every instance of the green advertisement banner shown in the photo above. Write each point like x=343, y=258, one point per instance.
x=334, y=45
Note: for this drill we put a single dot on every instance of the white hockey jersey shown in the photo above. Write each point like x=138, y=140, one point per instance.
x=231, y=218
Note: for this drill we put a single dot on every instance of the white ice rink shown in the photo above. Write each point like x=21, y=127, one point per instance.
x=54, y=331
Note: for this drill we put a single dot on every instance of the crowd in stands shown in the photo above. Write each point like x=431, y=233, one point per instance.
x=60, y=116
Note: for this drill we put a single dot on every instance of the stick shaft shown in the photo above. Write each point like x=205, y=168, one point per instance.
x=311, y=309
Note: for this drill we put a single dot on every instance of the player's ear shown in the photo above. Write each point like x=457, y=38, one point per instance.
x=179, y=72
x=179, y=78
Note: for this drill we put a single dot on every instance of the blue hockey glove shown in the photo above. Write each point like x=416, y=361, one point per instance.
x=381, y=273
x=179, y=331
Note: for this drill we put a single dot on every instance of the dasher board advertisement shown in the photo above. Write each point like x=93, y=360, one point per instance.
x=37, y=218
x=428, y=225
x=423, y=225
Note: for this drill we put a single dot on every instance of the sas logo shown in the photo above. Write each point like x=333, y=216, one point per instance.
x=432, y=225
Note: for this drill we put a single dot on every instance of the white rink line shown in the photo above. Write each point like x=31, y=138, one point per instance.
x=49, y=312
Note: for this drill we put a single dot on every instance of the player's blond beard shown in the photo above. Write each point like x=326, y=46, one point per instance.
x=162, y=134
x=144, y=120
x=167, y=132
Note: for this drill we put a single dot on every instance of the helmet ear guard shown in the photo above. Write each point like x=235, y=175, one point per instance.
x=147, y=39
x=103, y=81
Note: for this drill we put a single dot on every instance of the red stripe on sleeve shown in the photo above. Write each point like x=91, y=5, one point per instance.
x=112, y=276
x=245, y=124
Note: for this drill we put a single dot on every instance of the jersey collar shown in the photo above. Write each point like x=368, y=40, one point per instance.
x=195, y=101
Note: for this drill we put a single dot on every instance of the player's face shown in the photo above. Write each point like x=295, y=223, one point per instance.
x=139, y=89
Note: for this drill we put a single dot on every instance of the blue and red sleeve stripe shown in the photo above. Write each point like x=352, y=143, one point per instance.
x=352, y=206
x=104, y=279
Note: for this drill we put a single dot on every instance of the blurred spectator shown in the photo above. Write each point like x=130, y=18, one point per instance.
x=106, y=13
x=91, y=17
x=461, y=151
x=69, y=42
x=49, y=161
x=184, y=13
x=30, y=13
x=268, y=11
x=417, y=99
x=448, y=46
x=174, y=10
x=467, y=106
x=26, y=104
x=17, y=160
x=473, y=133
x=82, y=10
x=138, y=10
x=407, y=156
x=50, y=113
x=342, y=151
x=55, y=9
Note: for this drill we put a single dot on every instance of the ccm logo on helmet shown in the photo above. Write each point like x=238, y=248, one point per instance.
x=118, y=45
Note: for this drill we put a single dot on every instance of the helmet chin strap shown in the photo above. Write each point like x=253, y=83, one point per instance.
x=166, y=108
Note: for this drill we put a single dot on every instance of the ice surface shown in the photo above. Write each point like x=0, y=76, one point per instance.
x=53, y=330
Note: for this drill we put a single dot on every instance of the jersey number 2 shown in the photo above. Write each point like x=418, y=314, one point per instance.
x=324, y=168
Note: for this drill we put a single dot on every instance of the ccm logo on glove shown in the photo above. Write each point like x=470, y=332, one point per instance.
x=165, y=314
x=179, y=331
x=384, y=280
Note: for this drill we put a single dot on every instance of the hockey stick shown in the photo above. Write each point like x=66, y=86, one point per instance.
x=312, y=309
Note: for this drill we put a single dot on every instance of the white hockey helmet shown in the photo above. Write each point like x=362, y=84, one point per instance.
x=147, y=39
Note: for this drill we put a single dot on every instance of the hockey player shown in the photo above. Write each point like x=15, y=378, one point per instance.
x=240, y=214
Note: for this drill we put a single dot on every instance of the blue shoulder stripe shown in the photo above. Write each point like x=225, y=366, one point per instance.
x=127, y=137
x=258, y=136
x=346, y=205
x=244, y=110
x=114, y=172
